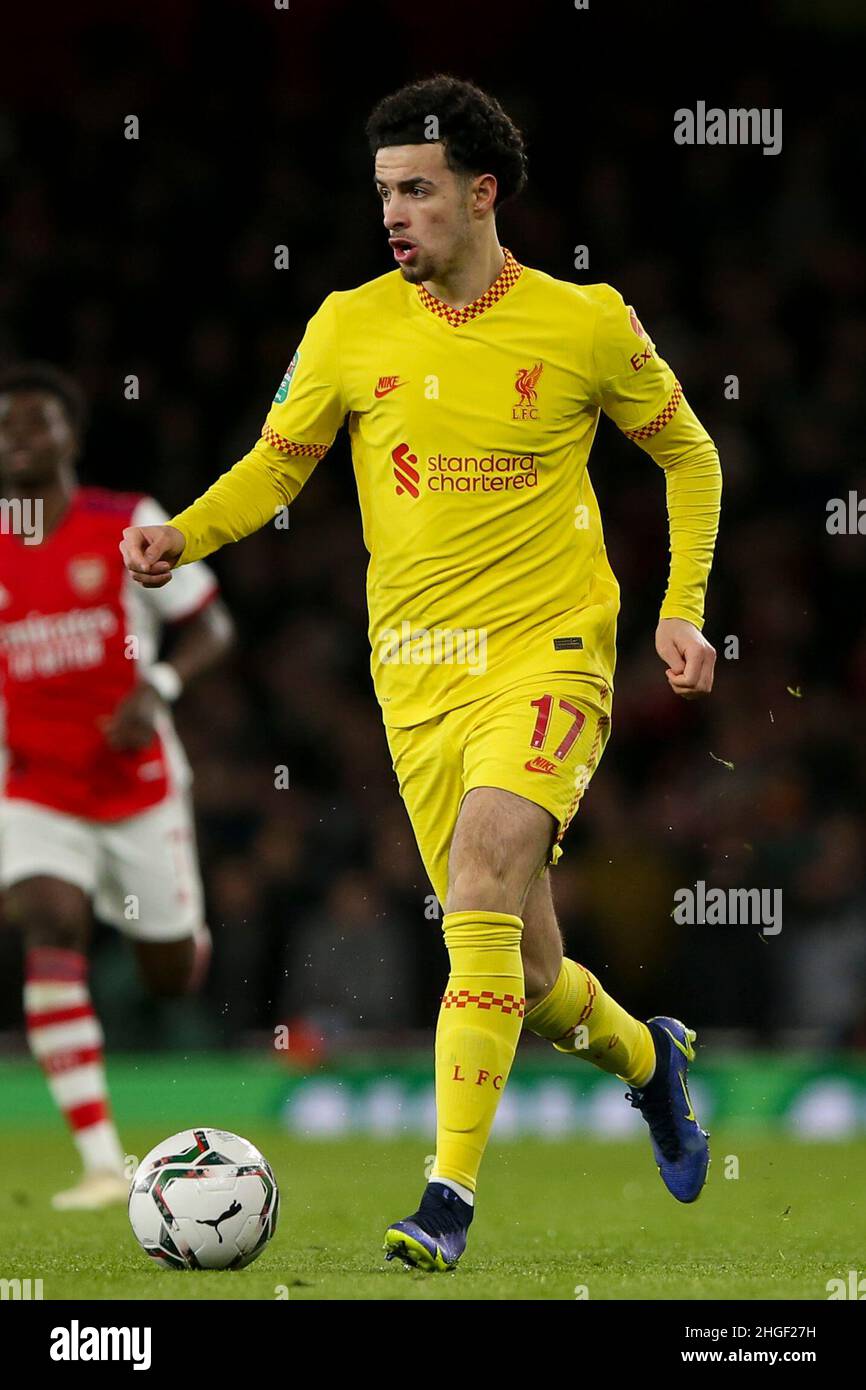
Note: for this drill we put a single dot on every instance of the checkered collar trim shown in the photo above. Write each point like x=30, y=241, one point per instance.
x=508, y=276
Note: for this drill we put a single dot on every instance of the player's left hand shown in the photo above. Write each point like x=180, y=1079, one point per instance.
x=690, y=658
x=132, y=725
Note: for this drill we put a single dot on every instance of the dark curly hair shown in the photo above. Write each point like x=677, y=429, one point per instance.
x=42, y=376
x=476, y=134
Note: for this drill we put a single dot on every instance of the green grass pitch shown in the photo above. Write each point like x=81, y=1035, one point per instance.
x=552, y=1218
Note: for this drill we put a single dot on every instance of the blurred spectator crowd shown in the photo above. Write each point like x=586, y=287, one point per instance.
x=155, y=257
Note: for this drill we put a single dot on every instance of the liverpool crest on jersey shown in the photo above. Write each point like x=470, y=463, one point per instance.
x=526, y=386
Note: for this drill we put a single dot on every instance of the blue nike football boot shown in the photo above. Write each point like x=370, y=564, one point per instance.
x=679, y=1144
x=435, y=1237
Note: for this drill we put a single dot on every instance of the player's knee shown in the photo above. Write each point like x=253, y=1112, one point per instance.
x=48, y=914
x=475, y=887
x=167, y=969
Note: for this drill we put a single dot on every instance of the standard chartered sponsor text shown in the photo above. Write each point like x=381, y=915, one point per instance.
x=481, y=473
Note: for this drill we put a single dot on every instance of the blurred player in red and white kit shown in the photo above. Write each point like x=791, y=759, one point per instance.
x=95, y=813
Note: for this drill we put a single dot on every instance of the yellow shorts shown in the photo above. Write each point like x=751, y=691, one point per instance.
x=541, y=738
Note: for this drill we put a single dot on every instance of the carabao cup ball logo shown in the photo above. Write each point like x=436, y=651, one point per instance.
x=286, y=381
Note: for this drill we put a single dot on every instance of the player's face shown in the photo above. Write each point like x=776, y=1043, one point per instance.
x=36, y=438
x=427, y=210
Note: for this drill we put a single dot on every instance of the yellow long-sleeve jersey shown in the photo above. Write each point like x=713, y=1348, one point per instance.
x=470, y=432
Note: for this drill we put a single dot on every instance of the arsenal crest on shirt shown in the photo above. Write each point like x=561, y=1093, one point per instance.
x=87, y=574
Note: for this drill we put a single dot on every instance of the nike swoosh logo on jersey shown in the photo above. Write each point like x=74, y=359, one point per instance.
x=541, y=765
x=391, y=384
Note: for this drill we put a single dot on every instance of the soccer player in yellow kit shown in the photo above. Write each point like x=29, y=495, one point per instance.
x=472, y=386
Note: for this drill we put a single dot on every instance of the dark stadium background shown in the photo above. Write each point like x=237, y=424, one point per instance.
x=155, y=257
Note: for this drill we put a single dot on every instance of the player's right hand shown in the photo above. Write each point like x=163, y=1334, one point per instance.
x=151, y=552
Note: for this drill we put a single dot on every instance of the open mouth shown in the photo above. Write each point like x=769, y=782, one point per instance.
x=404, y=251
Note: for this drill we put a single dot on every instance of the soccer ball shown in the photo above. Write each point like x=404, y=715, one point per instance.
x=204, y=1199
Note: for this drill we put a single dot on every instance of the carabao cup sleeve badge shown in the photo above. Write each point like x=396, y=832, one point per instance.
x=286, y=381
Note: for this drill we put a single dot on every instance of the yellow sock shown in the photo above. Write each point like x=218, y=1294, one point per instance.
x=578, y=1017
x=476, y=1037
